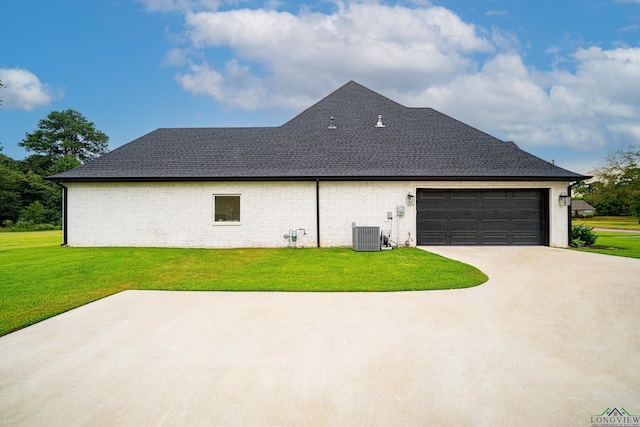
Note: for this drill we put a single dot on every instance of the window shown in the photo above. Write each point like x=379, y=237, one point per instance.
x=226, y=208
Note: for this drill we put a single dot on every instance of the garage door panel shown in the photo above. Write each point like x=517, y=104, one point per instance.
x=462, y=194
x=526, y=205
x=464, y=239
x=496, y=226
x=493, y=215
x=460, y=215
x=527, y=216
x=498, y=205
x=493, y=194
x=434, y=225
x=525, y=226
x=533, y=193
x=482, y=217
x=489, y=239
x=459, y=226
x=431, y=196
x=435, y=216
x=463, y=204
x=433, y=239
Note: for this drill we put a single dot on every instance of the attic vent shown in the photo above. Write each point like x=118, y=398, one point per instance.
x=332, y=124
x=379, y=124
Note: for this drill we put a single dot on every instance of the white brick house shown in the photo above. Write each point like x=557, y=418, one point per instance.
x=422, y=177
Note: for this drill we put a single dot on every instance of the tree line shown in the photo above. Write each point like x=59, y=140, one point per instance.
x=63, y=140
x=615, y=186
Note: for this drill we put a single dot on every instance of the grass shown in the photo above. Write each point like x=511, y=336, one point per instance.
x=616, y=222
x=40, y=279
x=618, y=244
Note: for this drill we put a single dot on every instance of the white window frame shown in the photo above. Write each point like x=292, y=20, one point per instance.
x=230, y=222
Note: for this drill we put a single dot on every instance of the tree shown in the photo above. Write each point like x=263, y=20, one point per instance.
x=1, y=86
x=34, y=213
x=616, y=190
x=25, y=195
x=66, y=133
x=63, y=141
x=11, y=180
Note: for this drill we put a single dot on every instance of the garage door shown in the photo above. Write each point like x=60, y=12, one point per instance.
x=482, y=217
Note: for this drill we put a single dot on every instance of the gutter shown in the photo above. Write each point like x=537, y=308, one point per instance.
x=569, y=217
x=325, y=178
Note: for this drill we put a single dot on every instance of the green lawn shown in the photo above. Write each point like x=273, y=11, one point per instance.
x=39, y=279
x=618, y=244
x=619, y=222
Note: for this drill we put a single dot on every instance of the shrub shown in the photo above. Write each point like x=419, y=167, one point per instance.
x=34, y=213
x=22, y=225
x=583, y=235
x=48, y=227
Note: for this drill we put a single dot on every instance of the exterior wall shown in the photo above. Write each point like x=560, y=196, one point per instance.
x=180, y=214
x=367, y=203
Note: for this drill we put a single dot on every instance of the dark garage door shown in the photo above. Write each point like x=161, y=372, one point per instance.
x=482, y=217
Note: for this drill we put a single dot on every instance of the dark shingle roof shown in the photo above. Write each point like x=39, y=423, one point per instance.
x=416, y=143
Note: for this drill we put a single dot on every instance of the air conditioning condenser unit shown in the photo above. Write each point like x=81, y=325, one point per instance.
x=366, y=239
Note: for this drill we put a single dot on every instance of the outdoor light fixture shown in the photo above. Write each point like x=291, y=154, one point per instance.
x=410, y=198
x=564, y=199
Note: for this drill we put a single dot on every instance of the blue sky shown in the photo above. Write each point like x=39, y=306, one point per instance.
x=561, y=78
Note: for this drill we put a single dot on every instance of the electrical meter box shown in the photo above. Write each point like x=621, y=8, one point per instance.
x=400, y=210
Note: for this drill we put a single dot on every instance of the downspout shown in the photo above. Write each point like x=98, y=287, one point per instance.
x=318, y=211
x=569, y=216
x=64, y=213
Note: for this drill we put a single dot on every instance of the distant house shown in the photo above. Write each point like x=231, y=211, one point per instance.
x=355, y=157
x=580, y=208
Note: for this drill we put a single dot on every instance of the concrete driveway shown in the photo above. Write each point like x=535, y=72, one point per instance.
x=551, y=339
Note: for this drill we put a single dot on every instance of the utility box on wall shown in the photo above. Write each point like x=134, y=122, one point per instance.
x=366, y=239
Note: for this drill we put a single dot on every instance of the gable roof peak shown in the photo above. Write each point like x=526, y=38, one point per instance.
x=350, y=104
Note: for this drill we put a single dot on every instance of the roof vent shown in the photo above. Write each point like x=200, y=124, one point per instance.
x=379, y=124
x=332, y=124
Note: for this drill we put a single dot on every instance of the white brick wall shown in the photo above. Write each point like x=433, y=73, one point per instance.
x=365, y=203
x=368, y=202
x=181, y=214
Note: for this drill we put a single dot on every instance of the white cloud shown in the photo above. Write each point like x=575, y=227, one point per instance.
x=623, y=132
x=202, y=80
x=23, y=90
x=236, y=86
x=419, y=55
x=178, y=57
x=586, y=109
x=311, y=52
x=592, y=53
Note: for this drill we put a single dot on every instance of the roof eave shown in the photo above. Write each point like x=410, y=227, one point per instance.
x=320, y=177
